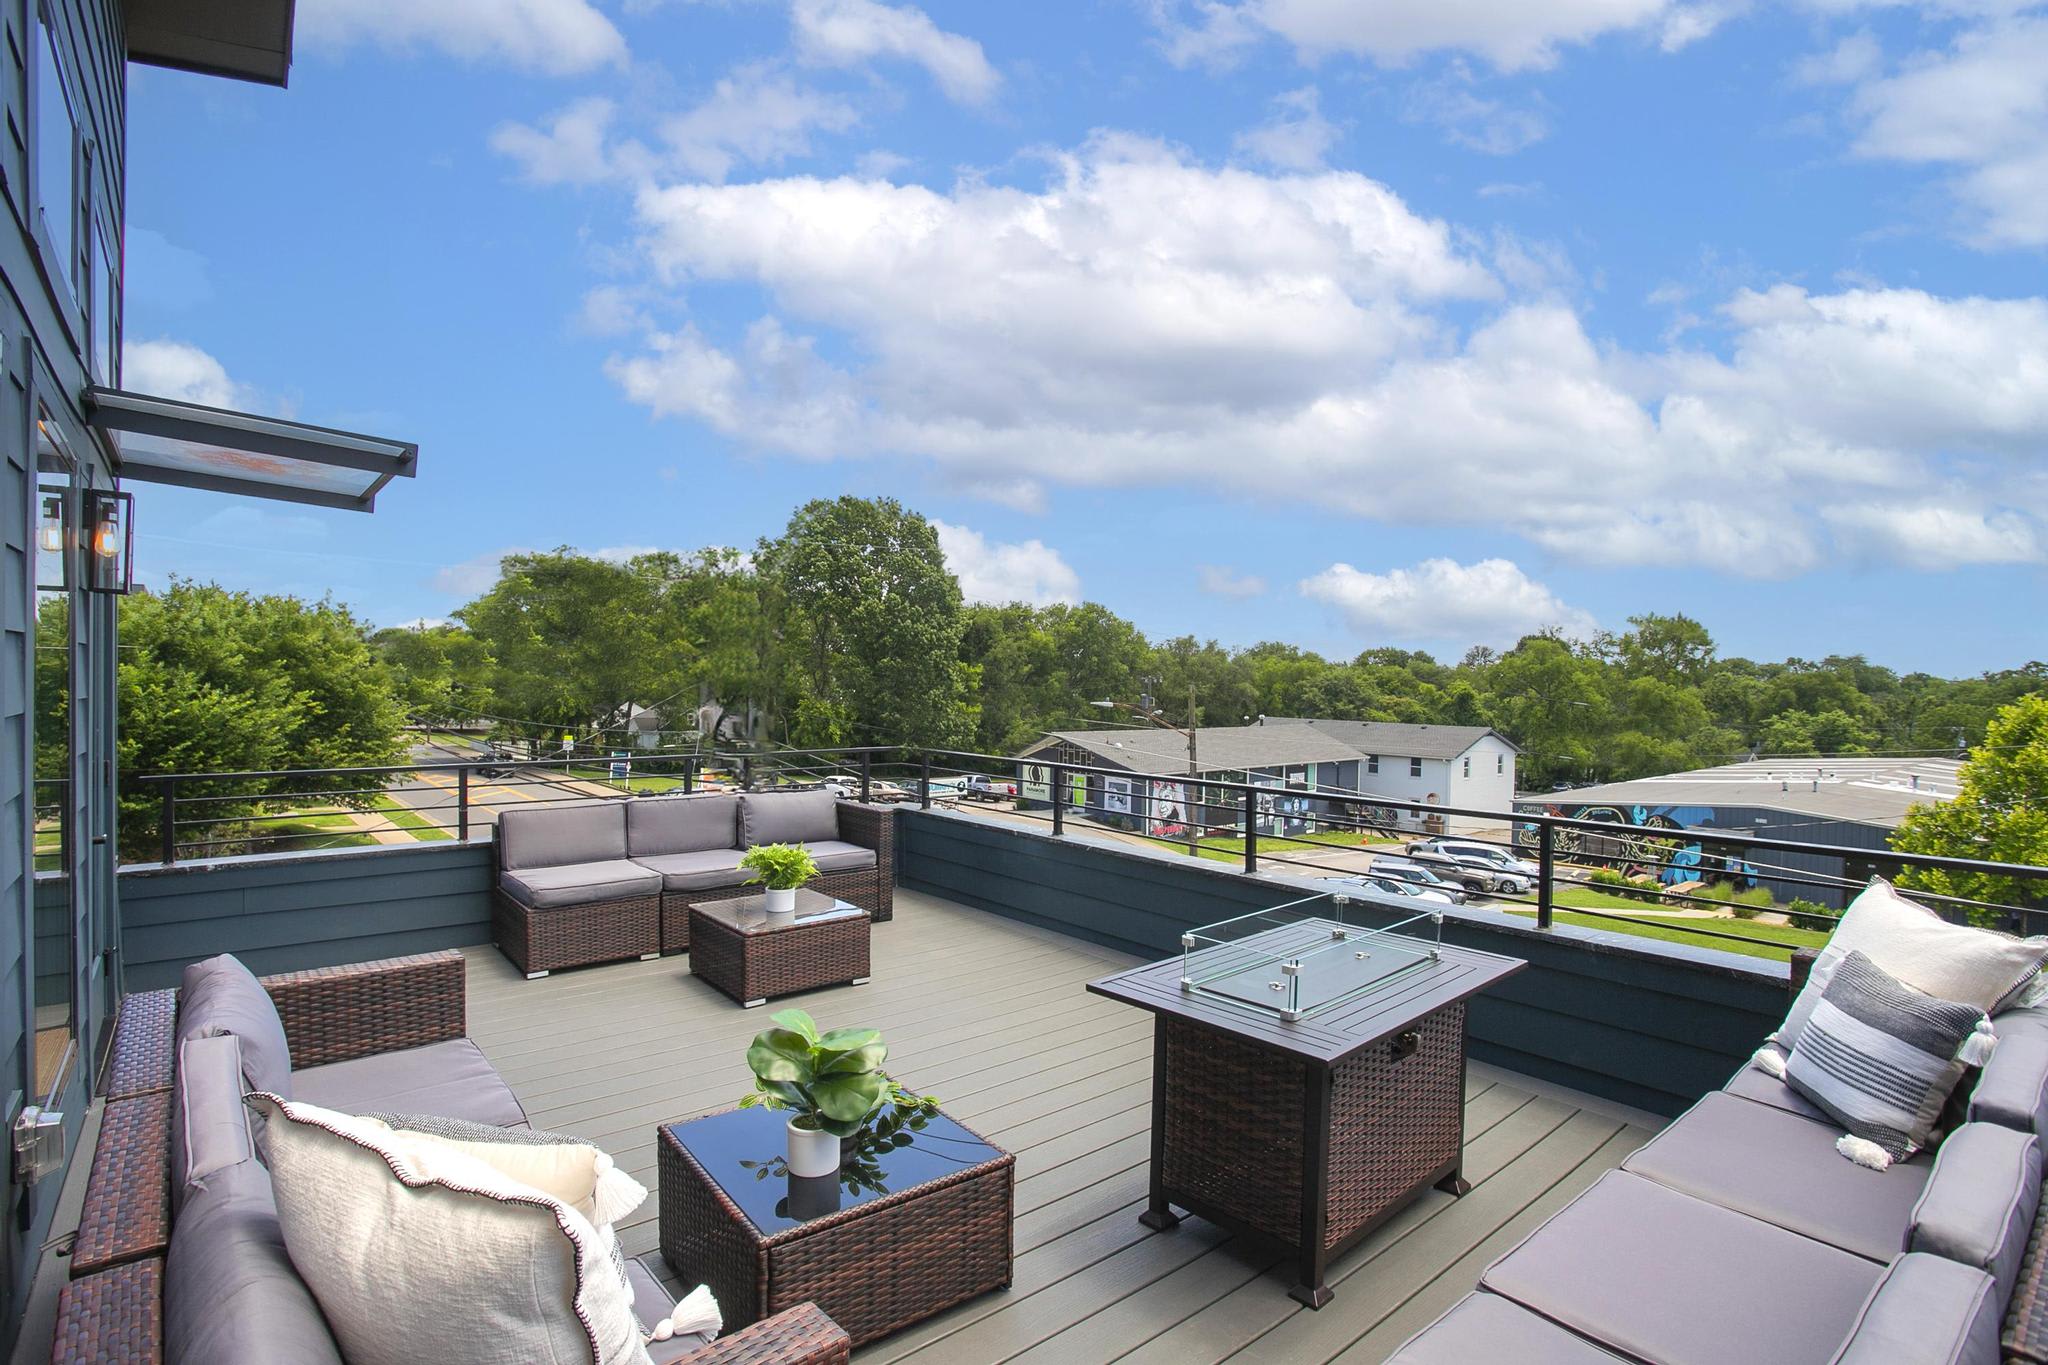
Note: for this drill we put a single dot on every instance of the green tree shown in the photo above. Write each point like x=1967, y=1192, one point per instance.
x=1999, y=814
x=1668, y=648
x=441, y=673
x=872, y=621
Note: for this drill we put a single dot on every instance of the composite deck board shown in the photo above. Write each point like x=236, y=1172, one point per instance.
x=993, y=1017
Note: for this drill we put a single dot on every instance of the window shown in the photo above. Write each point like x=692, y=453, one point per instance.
x=1414, y=767
x=56, y=139
x=1500, y=763
x=106, y=327
x=1468, y=766
x=1372, y=763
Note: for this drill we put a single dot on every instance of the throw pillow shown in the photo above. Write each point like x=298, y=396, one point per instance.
x=572, y=1169
x=1949, y=961
x=417, y=1251
x=1881, y=1059
x=220, y=996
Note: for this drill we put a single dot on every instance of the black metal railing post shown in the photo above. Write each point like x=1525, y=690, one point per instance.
x=689, y=775
x=746, y=773
x=1251, y=828
x=169, y=819
x=867, y=776
x=1059, y=805
x=924, y=781
x=462, y=805
x=1546, y=871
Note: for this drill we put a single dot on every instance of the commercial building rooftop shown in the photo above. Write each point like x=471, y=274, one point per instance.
x=1874, y=791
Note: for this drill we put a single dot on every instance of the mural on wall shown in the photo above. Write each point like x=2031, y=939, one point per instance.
x=1116, y=795
x=1167, y=813
x=1265, y=799
x=1643, y=837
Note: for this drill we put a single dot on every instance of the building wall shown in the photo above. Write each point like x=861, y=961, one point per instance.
x=1394, y=781
x=1491, y=785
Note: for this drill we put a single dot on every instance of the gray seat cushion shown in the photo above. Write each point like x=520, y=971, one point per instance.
x=452, y=1079
x=231, y=1295
x=1486, y=1327
x=2013, y=1089
x=219, y=996
x=2022, y=1023
x=1658, y=1275
x=706, y=871
x=209, y=1122
x=788, y=817
x=832, y=855
x=562, y=834
x=552, y=888
x=653, y=1301
x=1785, y=1170
x=1752, y=1082
x=1927, y=1311
x=682, y=824
x=1979, y=1206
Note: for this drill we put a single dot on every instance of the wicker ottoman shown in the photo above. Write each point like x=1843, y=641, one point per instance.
x=876, y=1260
x=751, y=955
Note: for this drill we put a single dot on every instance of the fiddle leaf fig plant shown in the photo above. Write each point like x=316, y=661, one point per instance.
x=832, y=1082
x=779, y=867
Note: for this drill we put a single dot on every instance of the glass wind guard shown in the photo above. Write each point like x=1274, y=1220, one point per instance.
x=1298, y=959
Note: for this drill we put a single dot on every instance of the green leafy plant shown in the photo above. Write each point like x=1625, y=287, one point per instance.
x=779, y=867
x=832, y=1082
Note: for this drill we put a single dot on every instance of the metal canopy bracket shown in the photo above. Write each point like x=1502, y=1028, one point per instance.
x=164, y=440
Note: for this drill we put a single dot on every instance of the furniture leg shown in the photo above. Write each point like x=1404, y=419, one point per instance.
x=1158, y=1215
x=1316, y=1085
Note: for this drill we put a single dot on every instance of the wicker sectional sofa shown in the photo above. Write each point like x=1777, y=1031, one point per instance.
x=1740, y=1235
x=611, y=880
x=179, y=1256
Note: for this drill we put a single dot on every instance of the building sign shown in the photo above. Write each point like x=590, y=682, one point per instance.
x=1037, y=783
x=621, y=766
x=1116, y=795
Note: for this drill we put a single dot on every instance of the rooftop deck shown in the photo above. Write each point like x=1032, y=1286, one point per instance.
x=991, y=1016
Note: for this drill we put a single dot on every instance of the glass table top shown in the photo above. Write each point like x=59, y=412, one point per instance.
x=744, y=1151
x=749, y=914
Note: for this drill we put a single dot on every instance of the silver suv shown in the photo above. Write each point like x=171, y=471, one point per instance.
x=1416, y=875
x=1479, y=874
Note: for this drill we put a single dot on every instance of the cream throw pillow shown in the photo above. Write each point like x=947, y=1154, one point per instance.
x=420, y=1252
x=1913, y=944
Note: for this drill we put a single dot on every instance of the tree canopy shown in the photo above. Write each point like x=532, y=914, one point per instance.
x=2000, y=813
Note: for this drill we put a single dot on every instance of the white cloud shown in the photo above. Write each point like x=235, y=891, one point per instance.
x=1855, y=58
x=1218, y=581
x=998, y=572
x=756, y=115
x=571, y=150
x=1938, y=536
x=549, y=37
x=1144, y=320
x=1509, y=34
x=853, y=32
x=420, y=623
x=178, y=369
x=1491, y=602
x=1469, y=119
x=1982, y=107
x=473, y=577
x=1297, y=137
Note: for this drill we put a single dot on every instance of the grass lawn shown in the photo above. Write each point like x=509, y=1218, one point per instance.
x=1581, y=898
x=637, y=782
x=451, y=740
x=406, y=818
x=304, y=835
x=1230, y=848
x=1769, y=940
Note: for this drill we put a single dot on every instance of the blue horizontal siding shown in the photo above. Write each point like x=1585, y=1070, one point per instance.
x=1643, y=1023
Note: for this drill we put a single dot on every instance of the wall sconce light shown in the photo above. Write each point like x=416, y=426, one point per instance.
x=53, y=540
x=109, y=541
x=50, y=533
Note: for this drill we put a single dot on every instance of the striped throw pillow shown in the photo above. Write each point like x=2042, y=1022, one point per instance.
x=1881, y=1058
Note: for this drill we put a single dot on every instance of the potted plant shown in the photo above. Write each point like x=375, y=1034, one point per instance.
x=830, y=1083
x=779, y=869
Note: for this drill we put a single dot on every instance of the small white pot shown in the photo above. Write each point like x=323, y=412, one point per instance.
x=781, y=901
x=812, y=1152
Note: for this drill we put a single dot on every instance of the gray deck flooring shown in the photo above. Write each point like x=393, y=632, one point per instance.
x=990, y=1015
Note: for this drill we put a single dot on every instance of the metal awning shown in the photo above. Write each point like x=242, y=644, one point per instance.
x=162, y=440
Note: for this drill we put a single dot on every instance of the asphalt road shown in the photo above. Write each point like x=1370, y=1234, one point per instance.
x=434, y=795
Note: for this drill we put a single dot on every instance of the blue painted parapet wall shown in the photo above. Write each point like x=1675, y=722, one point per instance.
x=1640, y=1022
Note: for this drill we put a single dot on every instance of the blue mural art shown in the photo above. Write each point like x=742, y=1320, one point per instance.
x=1637, y=840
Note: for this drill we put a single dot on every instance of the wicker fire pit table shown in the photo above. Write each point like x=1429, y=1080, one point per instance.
x=935, y=1233
x=739, y=947
x=1308, y=1074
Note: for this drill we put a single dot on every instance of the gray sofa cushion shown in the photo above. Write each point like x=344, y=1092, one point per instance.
x=553, y=888
x=2013, y=1090
x=2022, y=1023
x=788, y=817
x=1784, y=1169
x=1658, y=1275
x=1979, y=1206
x=209, y=1123
x=231, y=1296
x=682, y=824
x=653, y=1301
x=562, y=834
x=833, y=855
x=1486, y=1327
x=1754, y=1083
x=219, y=996
x=1927, y=1311
x=452, y=1079
x=706, y=871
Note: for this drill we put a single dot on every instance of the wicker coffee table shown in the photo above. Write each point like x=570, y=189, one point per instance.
x=936, y=1234
x=1308, y=1131
x=739, y=947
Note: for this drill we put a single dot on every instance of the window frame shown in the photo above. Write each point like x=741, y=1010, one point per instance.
x=1414, y=767
x=58, y=263
x=1372, y=763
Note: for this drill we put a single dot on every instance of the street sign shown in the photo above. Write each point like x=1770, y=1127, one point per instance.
x=621, y=767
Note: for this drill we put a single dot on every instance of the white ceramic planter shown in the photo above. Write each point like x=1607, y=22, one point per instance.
x=781, y=902
x=811, y=1152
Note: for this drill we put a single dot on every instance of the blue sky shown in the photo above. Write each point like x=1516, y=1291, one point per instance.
x=1336, y=322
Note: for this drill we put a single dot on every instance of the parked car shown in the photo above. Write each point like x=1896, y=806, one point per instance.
x=1395, y=886
x=1474, y=874
x=1415, y=874
x=977, y=787
x=1473, y=848
x=847, y=788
